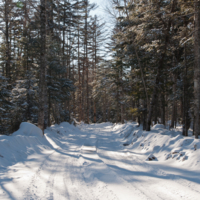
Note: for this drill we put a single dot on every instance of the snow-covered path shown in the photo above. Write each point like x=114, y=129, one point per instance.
x=93, y=164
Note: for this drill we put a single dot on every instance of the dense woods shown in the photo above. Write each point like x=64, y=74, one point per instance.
x=59, y=63
x=158, y=42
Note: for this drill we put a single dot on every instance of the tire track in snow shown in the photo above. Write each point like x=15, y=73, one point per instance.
x=109, y=190
x=64, y=181
x=50, y=184
x=43, y=180
x=30, y=193
x=76, y=180
x=141, y=192
x=164, y=190
x=95, y=190
x=56, y=187
x=140, y=188
x=193, y=186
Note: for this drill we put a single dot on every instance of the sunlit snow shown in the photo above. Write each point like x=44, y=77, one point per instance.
x=91, y=162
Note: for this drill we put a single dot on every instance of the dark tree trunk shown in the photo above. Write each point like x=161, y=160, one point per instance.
x=108, y=115
x=162, y=108
x=197, y=68
x=79, y=78
x=174, y=103
x=139, y=120
x=8, y=57
x=144, y=116
x=86, y=61
x=154, y=98
x=42, y=77
x=186, y=118
x=156, y=112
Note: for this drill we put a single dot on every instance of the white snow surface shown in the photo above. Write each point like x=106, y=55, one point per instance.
x=99, y=162
x=28, y=129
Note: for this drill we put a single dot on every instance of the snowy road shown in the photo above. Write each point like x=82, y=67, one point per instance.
x=93, y=164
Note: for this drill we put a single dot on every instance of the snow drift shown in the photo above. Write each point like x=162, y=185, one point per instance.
x=28, y=129
x=165, y=145
x=29, y=141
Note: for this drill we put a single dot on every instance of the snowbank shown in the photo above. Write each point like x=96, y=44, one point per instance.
x=156, y=126
x=127, y=130
x=18, y=148
x=28, y=129
x=164, y=145
x=29, y=141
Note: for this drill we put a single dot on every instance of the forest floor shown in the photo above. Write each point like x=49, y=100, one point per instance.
x=99, y=161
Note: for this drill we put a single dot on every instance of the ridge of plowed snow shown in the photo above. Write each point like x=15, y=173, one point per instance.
x=166, y=145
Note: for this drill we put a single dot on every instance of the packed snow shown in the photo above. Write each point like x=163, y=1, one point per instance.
x=99, y=161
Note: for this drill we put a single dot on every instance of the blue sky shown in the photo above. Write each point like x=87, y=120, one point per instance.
x=102, y=15
x=99, y=11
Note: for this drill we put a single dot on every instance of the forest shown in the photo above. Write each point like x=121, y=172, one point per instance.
x=60, y=63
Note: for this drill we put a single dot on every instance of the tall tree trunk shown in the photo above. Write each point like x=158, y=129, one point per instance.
x=154, y=98
x=162, y=108
x=144, y=115
x=79, y=78
x=174, y=103
x=42, y=77
x=95, y=112
x=197, y=68
x=156, y=112
x=8, y=57
x=50, y=33
x=108, y=115
x=142, y=76
x=186, y=117
x=87, y=63
x=95, y=67
x=83, y=91
x=73, y=94
x=104, y=106
x=118, y=106
x=122, y=113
